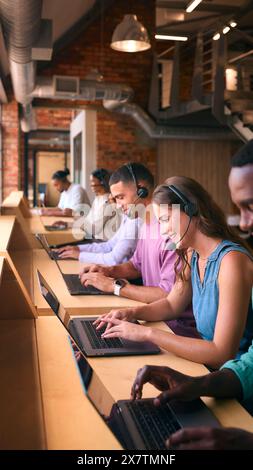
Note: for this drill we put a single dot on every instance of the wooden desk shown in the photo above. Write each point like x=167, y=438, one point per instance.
x=15, y=244
x=17, y=200
x=228, y=412
x=22, y=423
x=74, y=304
x=42, y=399
x=71, y=422
x=43, y=404
x=23, y=221
x=37, y=225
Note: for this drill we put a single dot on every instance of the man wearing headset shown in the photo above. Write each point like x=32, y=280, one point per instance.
x=121, y=246
x=235, y=378
x=151, y=261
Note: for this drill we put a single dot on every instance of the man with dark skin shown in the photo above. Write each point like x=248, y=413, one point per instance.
x=235, y=378
x=71, y=197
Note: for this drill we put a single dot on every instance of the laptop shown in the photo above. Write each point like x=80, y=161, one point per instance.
x=43, y=241
x=84, y=333
x=74, y=285
x=55, y=228
x=140, y=425
x=83, y=241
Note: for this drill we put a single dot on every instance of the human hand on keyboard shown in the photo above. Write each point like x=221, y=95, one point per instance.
x=126, y=314
x=60, y=223
x=127, y=330
x=208, y=438
x=95, y=268
x=173, y=384
x=68, y=252
x=98, y=280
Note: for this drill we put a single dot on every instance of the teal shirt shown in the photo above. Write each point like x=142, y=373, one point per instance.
x=243, y=368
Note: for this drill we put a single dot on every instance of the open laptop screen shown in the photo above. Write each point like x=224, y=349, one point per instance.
x=48, y=294
x=117, y=415
x=94, y=388
x=43, y=241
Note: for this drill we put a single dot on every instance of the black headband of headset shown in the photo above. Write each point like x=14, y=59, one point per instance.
x=189, y=207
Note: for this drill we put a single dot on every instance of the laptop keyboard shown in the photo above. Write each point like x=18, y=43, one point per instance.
x=54, y=255
x=155, y=424
x=74, y=285
x=95, y=337
x=55, y=228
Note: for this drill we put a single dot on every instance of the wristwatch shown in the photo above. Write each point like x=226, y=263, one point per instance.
x=118, y=284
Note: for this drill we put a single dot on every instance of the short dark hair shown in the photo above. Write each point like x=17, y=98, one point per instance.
x=103, y=176
x=61, y=175
x=244, y=156
x=141, y=173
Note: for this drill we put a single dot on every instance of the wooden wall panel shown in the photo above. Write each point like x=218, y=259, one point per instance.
x=206, y=161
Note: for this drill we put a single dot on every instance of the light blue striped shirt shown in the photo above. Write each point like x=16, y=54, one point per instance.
x=119, y=249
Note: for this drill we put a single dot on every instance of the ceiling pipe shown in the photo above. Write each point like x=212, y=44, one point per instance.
x=88, y=90
x=21, y=21
x=156, y=131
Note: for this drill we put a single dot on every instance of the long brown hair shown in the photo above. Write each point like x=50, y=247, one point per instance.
x=211, y=218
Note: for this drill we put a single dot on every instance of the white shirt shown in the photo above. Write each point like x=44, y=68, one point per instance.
x=73, y=197
x=103, y=220
x=119, y=249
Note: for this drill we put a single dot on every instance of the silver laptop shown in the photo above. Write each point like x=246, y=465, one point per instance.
x=85, y=334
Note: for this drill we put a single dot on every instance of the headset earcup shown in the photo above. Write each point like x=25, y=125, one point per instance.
x=142, y=192
x=190, y=209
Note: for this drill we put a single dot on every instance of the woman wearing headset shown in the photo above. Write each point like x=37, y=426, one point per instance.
x=214, y=270
x=103, y=219
x=102, y=209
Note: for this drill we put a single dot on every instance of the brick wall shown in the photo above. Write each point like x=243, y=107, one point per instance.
x=53, y=118
x=10, y=141
x=119, y=139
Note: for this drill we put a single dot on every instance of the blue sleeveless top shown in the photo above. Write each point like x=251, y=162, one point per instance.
x=205, y=299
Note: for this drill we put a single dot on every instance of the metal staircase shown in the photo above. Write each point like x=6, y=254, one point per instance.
x=223, y=86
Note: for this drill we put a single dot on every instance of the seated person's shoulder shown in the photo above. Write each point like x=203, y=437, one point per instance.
x=236, y=265
x=242, y=260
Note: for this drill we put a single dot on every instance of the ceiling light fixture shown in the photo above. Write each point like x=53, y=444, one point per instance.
x=226, y=29
x=192, y=5
x=130, y=36
x=216, y=36
x=166, y=37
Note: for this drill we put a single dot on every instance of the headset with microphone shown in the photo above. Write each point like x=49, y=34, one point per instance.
x=141, y=191
x=188, y=207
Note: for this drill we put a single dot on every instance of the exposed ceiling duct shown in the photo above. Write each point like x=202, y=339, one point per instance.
x=27, y=39
x=22, y=27
x=21, y=23
x=72, y=88
x=156, y=131
x=116, y=99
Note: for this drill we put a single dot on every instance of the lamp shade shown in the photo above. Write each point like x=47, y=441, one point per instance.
x=130, y=36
